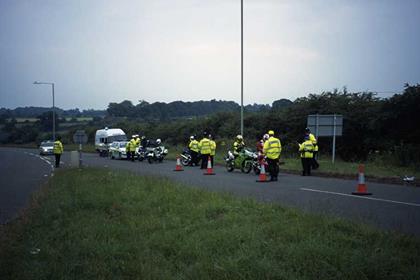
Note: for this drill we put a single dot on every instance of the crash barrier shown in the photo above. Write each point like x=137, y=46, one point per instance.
x=361, y=186
x=178, y=166
x=262, y=178
x=209, y=168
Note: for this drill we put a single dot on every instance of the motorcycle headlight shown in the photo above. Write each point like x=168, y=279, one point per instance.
x=165, y=151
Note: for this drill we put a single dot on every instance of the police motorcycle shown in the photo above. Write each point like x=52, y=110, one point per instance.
x=245, y=161
x=186, y=157
x=156, y=152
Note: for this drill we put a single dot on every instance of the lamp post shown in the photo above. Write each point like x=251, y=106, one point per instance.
x=242, y=67
x=52, y=87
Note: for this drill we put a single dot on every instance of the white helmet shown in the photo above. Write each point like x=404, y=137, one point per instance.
x=192, y=137
x=239, y=137
x=158, y=141
x=266, y=136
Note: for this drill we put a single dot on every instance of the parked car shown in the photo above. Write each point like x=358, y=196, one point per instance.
x=117, y=150
x=46, y=148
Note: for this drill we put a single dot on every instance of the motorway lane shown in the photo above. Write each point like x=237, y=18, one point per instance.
x=393, y=207
x=21, y=173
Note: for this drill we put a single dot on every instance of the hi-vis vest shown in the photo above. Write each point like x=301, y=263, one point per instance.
x=306, y=149
x=272, y=148
x=58, y=147
x=212, y=148
x=204, y=146
x=194, y=146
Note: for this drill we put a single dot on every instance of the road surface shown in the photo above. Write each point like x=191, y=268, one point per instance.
x=21, y=173
x=392, y=207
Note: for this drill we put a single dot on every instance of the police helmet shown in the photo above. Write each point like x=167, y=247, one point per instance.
x=270, y=132
x=239, y=137
x=266, y=136
x=158, y=141
x=192, y=137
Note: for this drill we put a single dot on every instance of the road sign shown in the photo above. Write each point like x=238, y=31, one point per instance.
x=326, y=125
x=80, y=137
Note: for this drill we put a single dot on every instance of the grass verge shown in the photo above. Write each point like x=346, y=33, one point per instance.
x=101, y=224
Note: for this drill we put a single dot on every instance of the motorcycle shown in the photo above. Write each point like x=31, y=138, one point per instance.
x=244, y=161
x=141, y=154
x=186, y=157
x=156, y=154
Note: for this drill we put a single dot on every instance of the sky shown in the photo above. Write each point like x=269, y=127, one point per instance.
x=102, y=51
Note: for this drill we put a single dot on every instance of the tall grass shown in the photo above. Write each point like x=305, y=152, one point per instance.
x=101, y=224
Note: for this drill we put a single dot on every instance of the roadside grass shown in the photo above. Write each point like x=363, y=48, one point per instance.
x=103, y=224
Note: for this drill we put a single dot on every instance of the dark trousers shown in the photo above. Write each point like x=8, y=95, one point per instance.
x=57, y=160
x=194, y=158
x=314, y=162
x=212, y=161
x=204, y=159
x=273, y=167
x=306, y=166
x=132, y=153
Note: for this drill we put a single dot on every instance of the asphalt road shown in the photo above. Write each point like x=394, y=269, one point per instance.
x=21, y=173
x=393, y=207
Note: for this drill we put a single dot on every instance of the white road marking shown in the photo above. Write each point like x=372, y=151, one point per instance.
x=363, y=197
x=46, y=160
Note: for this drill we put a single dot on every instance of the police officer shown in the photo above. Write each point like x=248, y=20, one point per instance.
x=238, y=145
x=58, y=150
x=314, y=162
x=212, y=149
x=306, y=150
x=205, y=150
x=193, y=146
x=132, y=147
x=272, y=150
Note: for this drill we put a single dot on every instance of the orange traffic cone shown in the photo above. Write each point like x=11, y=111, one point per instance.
x=178, y=166
x=262, y=178
x=209, y=168
x=361, y=186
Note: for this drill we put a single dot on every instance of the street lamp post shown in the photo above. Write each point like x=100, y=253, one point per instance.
x=52, y=86
x=242, y=68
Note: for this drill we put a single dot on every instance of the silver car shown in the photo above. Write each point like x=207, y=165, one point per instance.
x=46, y=148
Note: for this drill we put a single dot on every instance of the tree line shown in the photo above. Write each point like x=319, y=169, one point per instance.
x=372, y=126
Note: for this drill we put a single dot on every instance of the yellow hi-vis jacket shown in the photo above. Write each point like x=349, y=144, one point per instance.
x=272, y=148
x=314, y=142
x=194, y=146
x=132, y=146
x=137, y=142
x=58, y=147
x=204, y=146
x=306, y=149
x=212, y=147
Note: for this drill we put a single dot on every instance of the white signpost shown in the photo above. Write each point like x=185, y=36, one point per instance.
x=80, y=137
x=326, y=125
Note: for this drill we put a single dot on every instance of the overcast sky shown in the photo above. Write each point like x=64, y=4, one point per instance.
x=98, y=51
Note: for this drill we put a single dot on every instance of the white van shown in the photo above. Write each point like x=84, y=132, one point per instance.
x=104, y=137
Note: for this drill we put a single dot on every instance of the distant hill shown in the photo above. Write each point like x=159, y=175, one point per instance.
x=33, y=112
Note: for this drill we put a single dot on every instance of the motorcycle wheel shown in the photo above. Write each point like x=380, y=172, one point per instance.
x=185, y=161
x=160, y=160
x=246, y=166
x=229, y=166
x=150, y=160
